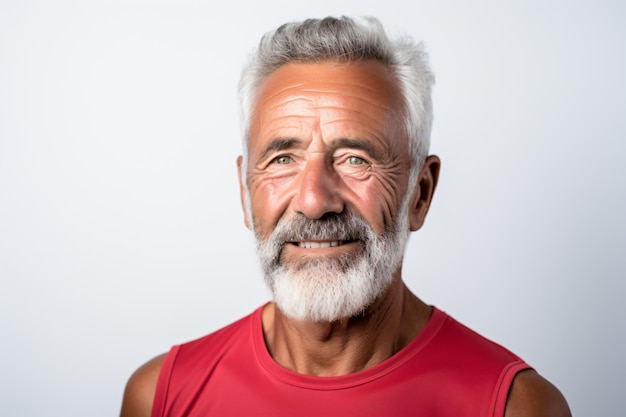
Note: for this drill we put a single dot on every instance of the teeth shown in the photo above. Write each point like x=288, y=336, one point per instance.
x=315, y=245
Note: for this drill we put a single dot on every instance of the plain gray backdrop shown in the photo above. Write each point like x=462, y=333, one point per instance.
x=121, y=232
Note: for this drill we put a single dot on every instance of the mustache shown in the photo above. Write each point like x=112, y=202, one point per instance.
x=342, y=226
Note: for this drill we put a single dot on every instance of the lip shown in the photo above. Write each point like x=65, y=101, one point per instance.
x=293, y=252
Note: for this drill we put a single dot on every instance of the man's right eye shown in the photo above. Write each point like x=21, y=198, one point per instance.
x=282, y=160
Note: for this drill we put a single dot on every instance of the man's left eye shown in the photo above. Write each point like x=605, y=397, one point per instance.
x=355, y=160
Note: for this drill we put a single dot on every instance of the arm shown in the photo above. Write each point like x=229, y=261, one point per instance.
x=531, y=395
x=140, y=389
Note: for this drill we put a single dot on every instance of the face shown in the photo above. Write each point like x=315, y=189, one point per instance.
x=328, y=170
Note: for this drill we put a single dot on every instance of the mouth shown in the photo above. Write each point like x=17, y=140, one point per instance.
x=320, y=244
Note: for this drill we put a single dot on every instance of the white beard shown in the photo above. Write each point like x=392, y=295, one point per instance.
x=326, y=290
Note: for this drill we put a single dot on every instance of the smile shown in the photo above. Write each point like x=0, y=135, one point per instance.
x=318, y=245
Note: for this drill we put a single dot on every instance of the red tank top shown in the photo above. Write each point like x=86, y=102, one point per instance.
x=447, y=370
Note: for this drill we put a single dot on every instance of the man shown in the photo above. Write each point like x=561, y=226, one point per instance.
x=334, y=176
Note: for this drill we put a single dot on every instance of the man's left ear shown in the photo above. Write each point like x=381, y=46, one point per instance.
x=423, y=192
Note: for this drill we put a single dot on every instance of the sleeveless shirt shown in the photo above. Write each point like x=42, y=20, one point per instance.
x=447, y=370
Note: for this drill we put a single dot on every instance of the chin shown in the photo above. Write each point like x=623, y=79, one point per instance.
x=327, y=291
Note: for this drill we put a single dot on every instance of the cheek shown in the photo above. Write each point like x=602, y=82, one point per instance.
x=269, y=201
x=377, y=199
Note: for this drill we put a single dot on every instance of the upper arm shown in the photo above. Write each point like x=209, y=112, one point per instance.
x=531, y=395
x=140, y=389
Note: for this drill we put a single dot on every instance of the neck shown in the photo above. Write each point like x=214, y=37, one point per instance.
x=348, y=345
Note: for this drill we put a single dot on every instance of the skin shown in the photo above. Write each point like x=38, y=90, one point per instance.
x=324, y=139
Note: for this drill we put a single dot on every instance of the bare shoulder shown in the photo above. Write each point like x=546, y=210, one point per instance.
x=532, y=395
x=140, y=389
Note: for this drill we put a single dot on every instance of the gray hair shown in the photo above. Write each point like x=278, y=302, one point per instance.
x=345, y=40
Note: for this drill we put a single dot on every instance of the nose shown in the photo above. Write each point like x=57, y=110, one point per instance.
x=318, y=192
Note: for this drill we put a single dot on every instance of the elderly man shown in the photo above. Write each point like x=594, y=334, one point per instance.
x=334, y=176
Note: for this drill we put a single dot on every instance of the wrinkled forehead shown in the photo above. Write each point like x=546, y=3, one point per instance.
x=360, y=91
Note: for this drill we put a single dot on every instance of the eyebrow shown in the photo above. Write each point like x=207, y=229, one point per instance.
x=279, y=144
x=361, y=144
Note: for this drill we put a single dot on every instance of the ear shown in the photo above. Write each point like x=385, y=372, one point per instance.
x=423, y=192
x=242, y=190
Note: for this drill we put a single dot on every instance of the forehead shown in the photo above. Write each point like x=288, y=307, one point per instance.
x=326, y=95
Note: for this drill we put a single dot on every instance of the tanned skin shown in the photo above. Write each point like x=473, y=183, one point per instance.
x=338, y=148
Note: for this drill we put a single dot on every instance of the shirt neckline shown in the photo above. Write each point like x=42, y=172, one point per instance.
x=263, y=357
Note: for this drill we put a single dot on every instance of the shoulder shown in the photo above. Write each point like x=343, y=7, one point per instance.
x=461, y=340
x=191, y=360
x=531, y=395
x=140, y=389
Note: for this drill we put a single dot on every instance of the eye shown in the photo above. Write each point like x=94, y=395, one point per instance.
x=355, y=160
x=282, y=160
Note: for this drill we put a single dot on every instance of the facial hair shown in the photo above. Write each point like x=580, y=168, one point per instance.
x=332, y=288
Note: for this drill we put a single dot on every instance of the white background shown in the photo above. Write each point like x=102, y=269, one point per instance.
x=120, y=227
